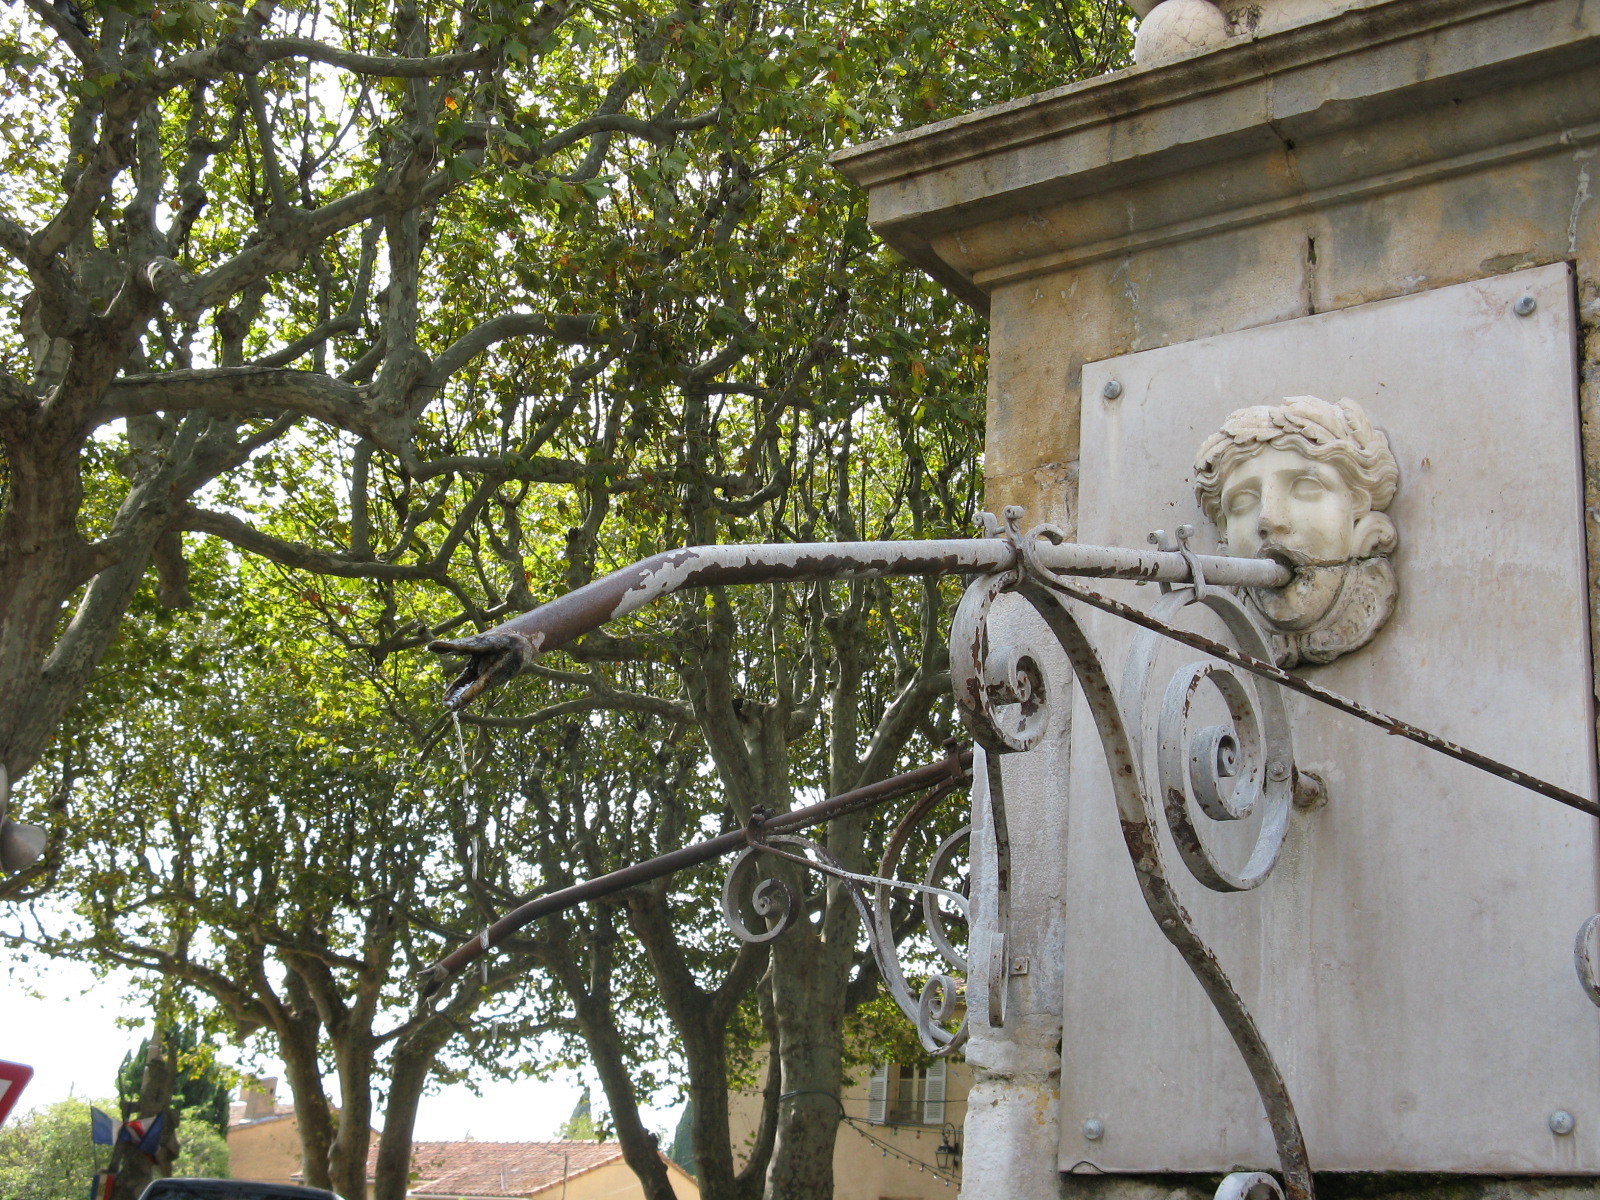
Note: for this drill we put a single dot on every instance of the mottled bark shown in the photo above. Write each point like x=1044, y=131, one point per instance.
x=592, y=1000
x=298, y=1033
x=133, y=1169
x=809, y=981
x=119, y=281
x=701, y=1019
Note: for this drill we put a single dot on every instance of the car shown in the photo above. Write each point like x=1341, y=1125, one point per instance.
x=231, y=1189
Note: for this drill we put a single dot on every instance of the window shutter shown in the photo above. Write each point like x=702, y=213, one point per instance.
x=933, y=1096
x=878, y=1094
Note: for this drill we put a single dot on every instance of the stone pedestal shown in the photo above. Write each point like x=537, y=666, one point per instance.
x=1385, y=150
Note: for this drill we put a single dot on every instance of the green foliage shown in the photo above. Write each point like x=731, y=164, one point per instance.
x=580, y=1126
x=201, y=1089
x=46, y=1154
x=203, y=1150
x=701, y=342
x=682, y=1148
x=878, y=1032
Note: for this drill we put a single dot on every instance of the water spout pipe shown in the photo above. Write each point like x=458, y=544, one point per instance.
x=503, y=652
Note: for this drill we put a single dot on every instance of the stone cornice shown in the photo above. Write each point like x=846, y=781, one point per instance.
x=1118, y=136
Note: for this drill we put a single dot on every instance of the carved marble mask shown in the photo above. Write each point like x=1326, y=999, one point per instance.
x=1307, y=482
x=1280, y=504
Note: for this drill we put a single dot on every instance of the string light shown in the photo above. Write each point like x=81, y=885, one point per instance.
x=888, y=1150
x=882, y=1145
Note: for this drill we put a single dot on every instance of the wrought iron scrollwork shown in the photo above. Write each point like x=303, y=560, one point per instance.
x=1003, y=698
x=776, y=900
x=1227, y=772
x=1206, y=774
x=938, y=1004
x=1583, y=959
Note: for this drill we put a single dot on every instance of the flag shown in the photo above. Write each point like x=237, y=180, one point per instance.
x=100, y=1189
x=103, y=1129
x=145, y=1134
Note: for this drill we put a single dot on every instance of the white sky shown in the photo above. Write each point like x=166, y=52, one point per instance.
x=72, y=1040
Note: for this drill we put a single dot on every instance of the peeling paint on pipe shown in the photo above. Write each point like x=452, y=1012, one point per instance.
x=501, y=653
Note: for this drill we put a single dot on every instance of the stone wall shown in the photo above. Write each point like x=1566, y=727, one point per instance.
x=1392, y=148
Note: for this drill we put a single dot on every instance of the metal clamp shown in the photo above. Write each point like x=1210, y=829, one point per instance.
x=1197, y=575
x=1179, y=544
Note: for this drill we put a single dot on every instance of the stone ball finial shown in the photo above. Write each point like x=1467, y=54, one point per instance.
x=1170, y=29
x=1174, y=28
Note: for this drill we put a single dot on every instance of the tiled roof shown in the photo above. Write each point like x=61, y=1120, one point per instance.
x=497, y=1168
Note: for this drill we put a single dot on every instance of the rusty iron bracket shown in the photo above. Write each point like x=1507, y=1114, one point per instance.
x=1003, y=696
x=940, y=777
x=499, y=654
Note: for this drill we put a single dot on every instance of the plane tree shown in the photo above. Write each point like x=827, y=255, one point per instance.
x=441, y=311
x=230, y=227
x=263, y=832
x=234, y=227
x=265, y=856
x=268, y=856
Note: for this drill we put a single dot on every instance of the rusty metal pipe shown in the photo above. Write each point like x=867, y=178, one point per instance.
x=1372, y=716
x=953, y=769
x=499, y=654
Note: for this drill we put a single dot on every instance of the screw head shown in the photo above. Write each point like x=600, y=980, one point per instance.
x=1094, y=1129
x=1112, y=389
x=1277, y=770
x=1524, y=306
x=1562, y=1122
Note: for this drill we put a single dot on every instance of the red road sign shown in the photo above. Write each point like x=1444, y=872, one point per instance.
x=13, y=1078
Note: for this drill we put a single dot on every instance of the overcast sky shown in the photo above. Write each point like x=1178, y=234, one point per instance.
x=73, y=1042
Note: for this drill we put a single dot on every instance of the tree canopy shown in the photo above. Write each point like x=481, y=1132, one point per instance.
x=339, y=328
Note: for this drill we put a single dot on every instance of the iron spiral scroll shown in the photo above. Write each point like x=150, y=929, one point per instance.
x=936, y=1009
x=1213, y=773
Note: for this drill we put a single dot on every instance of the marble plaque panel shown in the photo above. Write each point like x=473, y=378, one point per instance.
x=1410, y=960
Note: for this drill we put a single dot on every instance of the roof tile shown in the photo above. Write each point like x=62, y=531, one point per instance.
x=497, y=1168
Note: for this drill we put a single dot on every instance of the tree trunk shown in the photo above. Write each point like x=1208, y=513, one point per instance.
x=131, y=1167
x=408, y=1075
x=701, y=1019
x=353, y=1059
x=640, y=1149
x=297, y=1043
x=347, y=1161
x=708, y=1088
x=40, y=565
x=808, y=983
x=415, y=1053
x=753, y=1178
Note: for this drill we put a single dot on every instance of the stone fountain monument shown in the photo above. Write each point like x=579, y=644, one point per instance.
x=1318, y=282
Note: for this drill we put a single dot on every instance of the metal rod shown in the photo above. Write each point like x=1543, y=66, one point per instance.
x=498, y=654
x=951, y=770
x=1333, y=699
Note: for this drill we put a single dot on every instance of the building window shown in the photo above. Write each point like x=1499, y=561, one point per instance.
x=904, y=1095
x=907, y=1089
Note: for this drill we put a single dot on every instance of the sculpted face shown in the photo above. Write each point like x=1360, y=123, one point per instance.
x=1280, y=504
x=1306, y=482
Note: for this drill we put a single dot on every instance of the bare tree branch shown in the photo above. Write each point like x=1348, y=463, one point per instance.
x=303, y=558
